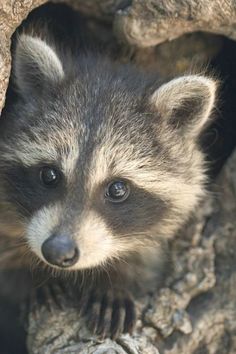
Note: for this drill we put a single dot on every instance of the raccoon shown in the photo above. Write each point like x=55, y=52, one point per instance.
x=100, y=165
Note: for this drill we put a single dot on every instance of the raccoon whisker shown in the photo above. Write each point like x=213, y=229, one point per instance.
x=35, y=263
x=113, y=265
x=118, y=258
x=82, y=278
x=22, y=207
x=21, y=192
x=16, y=243
x=11, y=248
x=75, y=277
x=43, y=282
x=55, y=272
x=142, y=241
x=93, y=273
x=128, y=237
x=214, y=193
x=135, y=234
x=6, y=256
x=113, y=260
x=104, y=268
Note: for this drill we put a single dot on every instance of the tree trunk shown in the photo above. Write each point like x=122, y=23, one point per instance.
x=196, y=310
x=147, y=23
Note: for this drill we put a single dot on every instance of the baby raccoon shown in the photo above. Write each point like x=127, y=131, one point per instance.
x=99, y=166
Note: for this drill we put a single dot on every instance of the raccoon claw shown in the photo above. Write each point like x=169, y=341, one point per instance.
x=110, y=314
x=52, y=296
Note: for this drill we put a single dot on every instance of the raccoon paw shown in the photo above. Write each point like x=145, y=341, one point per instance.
x=52, y=295
x=111, y=313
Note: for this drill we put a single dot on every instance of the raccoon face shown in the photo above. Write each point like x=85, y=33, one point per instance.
x=98, y=161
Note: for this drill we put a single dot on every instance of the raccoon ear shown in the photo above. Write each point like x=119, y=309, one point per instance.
x=186, y=102
x=36, y=64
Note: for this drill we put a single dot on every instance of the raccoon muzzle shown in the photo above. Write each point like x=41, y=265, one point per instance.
x=60, y=251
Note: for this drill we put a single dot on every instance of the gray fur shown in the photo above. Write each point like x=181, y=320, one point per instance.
x=97, y=121
x=36, y=65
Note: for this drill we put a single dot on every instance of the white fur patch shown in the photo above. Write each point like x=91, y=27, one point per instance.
x=32, y=53
x=98, y=246
x=61, y=147
x=173, y=95
x=41, y=227
x=94, y=240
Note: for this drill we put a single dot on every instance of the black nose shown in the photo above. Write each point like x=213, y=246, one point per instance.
x=60, y=250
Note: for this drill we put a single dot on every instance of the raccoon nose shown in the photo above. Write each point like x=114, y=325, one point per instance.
x=60, y=250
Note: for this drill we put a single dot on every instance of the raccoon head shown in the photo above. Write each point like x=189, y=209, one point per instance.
x=98, y=161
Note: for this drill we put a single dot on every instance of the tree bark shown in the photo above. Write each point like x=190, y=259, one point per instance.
x=195, y=311
x=148, y=23
x=12, y=14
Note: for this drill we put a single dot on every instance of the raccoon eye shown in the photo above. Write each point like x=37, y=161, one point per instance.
x=49, y=176
x=117, y=191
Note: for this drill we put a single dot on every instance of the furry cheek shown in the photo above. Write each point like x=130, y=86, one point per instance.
x=41, y=226
x=96, y=243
